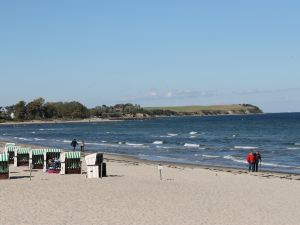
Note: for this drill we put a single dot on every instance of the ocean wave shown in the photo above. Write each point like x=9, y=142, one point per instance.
x=163, y=147
x=33, y=132
x=46, y=129
x=277, y=165
x=193, y=132
x=235, y=159
x=191, y=145
x=297, y=143
x=193, y=136
x=245, y=147
x=293, y=148
x=134, y=144
x=22, y=139
x=172, y=135
x=66, y=141
x=158, y=142
x=211, y=156
x=39, y=139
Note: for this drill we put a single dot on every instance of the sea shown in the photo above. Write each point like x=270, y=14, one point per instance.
x=202, y=140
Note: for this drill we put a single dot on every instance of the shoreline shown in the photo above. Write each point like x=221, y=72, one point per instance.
x=113, y=157
x=117, y=119
x=92, y=120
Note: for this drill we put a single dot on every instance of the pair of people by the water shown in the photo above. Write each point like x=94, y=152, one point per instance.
x=74, y=143
x=253, y=159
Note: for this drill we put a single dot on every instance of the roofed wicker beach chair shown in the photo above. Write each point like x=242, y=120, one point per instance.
x=10, y=150
x=4, y=166
x=22, y=156
x=36, y=158
x=70, y=163
x=51, y=154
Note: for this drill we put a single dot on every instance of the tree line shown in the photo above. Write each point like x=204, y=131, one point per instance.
x=38, y=109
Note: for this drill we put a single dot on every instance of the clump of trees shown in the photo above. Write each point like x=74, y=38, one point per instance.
x=38, y=109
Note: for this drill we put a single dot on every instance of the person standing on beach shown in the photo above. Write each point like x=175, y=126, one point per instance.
x=257, y=160
x=74, y=143
x=251, y=161
x=82, y=146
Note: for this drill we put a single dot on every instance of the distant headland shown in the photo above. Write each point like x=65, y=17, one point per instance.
x=53, y=112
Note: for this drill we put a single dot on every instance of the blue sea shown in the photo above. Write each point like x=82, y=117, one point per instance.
x=208, y=140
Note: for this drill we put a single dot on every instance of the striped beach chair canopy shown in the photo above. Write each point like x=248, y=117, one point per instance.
x=12, y=148
x=38, y=151
x=22, y=151
x=4, y=157
x=9, y=144
x=52, y=150
x=73, y=155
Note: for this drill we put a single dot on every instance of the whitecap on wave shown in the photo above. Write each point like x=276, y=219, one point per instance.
x=133, y=144
x=235, y=159
x=191, y=145
x=172, y=135
x=211, y=156
x=245, y=147
x=22, y=139
x=158, y=142
x=193, y=132
x=39, y=139
x=46, y=129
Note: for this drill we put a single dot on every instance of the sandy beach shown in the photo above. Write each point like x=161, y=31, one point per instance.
x=134, y=194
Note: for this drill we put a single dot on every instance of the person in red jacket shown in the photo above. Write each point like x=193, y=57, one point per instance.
x=251, y=161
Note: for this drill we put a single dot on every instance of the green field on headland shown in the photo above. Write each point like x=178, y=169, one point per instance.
x=213, y=109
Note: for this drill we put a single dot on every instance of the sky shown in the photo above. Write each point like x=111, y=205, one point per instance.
x=152, y=53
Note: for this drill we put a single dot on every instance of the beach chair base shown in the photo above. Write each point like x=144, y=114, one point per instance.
x=4, y=176
x=38, y=167
x=73, y=171
x=53, y=171
x=23, y=163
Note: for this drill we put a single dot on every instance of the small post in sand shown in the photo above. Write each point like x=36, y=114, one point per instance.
x=160, y=168
x=30, y=167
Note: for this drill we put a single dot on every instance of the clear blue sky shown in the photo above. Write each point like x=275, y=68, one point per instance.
x=152, y=52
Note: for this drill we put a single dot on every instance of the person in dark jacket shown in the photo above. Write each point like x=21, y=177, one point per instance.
x=74, y=143
x=257, y=160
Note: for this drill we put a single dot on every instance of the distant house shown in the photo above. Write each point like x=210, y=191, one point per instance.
x=119, y=107
x=12, y=115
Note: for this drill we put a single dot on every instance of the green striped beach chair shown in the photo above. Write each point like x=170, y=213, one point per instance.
x=4, y=166
x=10, y=150
x=22, y=156
x=51, y=153
x=36, y=158
x=71, y=163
